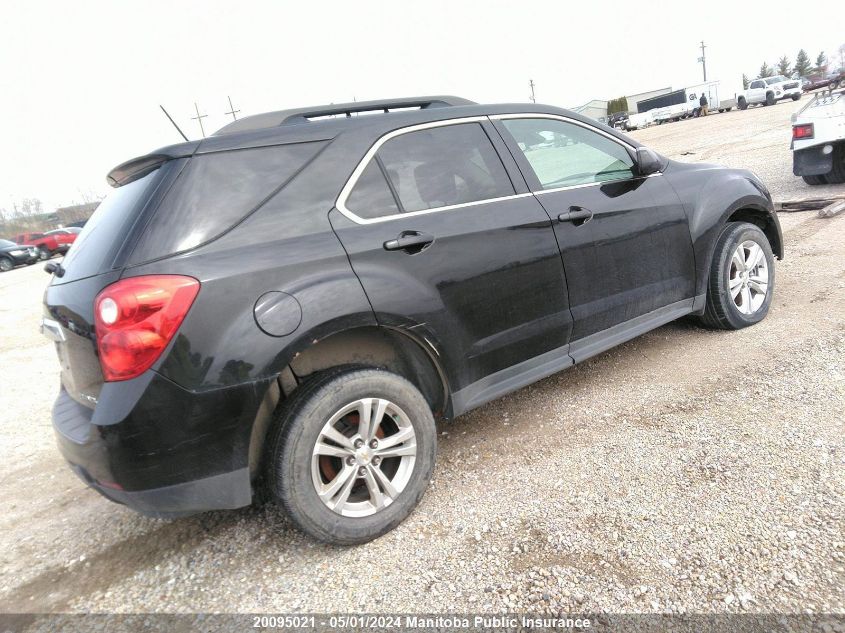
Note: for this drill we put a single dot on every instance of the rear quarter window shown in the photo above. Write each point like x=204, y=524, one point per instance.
x=216, y=191
x=94, y=249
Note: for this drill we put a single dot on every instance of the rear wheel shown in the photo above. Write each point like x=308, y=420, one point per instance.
x=742, y=275
x=814, y=180
x=6, y=264
x=741, y=103
x=836, y=175
x=351, y=454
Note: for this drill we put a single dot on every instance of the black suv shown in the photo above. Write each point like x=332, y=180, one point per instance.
x=289, y=304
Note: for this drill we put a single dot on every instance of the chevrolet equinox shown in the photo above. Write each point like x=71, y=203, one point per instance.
x=288, y=305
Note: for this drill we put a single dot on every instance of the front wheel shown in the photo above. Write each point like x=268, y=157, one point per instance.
x=44, y=253
x=741, y=103
x=796, y=97
x=770, y=99
x=351, y=454
x=742, y=276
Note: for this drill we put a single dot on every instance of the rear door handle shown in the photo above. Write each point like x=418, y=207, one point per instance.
x=409, y=241
x=576, y=214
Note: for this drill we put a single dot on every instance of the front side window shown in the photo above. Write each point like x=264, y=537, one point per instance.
x=429, y=169
x=756, y=84
x=564, y=154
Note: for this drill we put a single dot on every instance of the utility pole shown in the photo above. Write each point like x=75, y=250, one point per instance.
x=231, y=111
x=199, y=118
x=703, y=61
x=531, y=83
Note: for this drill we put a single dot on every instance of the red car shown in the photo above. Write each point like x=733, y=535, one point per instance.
x=49, y=243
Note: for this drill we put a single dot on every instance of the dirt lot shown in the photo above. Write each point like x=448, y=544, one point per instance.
x=687, y=470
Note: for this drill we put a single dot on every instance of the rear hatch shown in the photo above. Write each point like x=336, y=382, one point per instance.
x=88, y=268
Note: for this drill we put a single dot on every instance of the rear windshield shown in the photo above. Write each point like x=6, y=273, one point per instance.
x=214, y=192
x=96, y=245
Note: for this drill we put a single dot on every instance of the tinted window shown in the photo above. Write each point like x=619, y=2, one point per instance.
x=564, y=154
x=214, y=192
x=94, y=249
x=756, y=84
x=371, y=197
x=442, y=166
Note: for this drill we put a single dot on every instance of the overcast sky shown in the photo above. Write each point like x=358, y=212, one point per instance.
x=81, y=82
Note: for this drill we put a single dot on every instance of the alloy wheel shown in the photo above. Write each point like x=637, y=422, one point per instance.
x=748, y=277
x=363, y=457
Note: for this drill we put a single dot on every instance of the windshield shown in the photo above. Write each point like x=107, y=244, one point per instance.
x=6, y=244
x=775, y=80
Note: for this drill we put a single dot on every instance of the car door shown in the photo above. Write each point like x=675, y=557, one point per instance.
x=450, y=246
x=757, y=91
x=625, y=240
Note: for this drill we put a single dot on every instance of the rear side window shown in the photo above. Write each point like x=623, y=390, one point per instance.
x=428, y=169
x=214, y=192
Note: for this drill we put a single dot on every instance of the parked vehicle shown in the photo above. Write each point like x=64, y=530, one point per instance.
x=48, y=245
x=289, y=304
x=683, y=103
x=12, y=255
x=639, y=120
x=617, y=120
x=818, y=140
x=769, y=90
x=815, y=81
x=64, y=238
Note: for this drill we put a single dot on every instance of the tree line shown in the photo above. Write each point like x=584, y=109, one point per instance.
x=802, y=67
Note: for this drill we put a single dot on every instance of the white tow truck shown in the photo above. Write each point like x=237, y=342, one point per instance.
x=818, y=139
x=770, y=90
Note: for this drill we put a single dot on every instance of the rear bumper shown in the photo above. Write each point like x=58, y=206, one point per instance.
x=162, y=450
x=220, y=492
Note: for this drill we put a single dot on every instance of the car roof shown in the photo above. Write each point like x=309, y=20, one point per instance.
x=301, y=124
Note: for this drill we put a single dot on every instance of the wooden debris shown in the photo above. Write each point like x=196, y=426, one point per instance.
x=832, y=209
x=808, y=204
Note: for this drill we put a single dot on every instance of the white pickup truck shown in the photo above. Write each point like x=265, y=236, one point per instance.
x=818, y=139
x=769, y=90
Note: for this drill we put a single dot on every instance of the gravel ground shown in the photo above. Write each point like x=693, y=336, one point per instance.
x=685, y=471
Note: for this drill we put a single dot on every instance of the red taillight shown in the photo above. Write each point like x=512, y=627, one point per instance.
x=135, y=319
x=805, y=130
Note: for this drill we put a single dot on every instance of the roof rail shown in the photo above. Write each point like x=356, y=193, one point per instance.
x=385, y=105
x=303, y=115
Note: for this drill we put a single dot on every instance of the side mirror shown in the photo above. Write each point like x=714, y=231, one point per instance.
x=648, y=162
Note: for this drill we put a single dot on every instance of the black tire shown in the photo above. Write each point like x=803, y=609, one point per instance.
x=44, y=253
x=721, y=311
x=6, y=264
x=770, y=98
x=298, y=425
x=796, y=97
x=836, y=175
x=815, y=180
x=835, y=84
x=741, y=103
x=729, y=109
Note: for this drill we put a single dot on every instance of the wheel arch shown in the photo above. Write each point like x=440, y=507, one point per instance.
x=762, y=218
x=392, y=349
